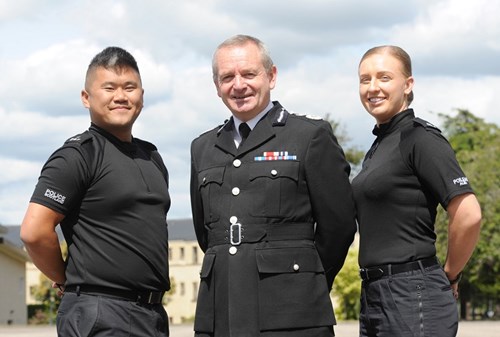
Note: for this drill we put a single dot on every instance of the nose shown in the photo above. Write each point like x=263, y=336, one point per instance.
x=120, y=95
x=373, y=86
x=239, y=82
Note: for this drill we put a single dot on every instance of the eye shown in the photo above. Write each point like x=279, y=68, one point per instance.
x=249, y=76
x=226, y=79
x=364, y=80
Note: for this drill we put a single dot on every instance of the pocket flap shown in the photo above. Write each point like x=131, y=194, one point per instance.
x=206, y=267
x=275, y=169
x=211, y=175
x=288, y=260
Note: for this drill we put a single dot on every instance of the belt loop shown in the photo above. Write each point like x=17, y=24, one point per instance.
x=77, y=290
x=389, y=269
x=421, y=266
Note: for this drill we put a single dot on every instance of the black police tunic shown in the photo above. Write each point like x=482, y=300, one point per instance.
x=409, y=169
x=275, y=218
x=115, y=200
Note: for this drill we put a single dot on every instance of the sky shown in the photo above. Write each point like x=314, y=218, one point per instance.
x=316, y=45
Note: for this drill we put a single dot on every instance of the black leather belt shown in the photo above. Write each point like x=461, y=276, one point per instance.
x=143, y=297
x=373, y=273
x=237, y=233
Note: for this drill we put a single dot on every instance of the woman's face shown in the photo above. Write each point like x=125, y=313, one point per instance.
x=383, y=87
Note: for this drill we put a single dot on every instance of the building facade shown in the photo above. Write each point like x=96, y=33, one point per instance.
x=13, y=260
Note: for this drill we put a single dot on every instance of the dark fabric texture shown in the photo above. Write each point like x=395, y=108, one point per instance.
x=99, y=316
x=412, y=304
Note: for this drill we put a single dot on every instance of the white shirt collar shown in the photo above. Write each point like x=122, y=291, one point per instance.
x=251, y=123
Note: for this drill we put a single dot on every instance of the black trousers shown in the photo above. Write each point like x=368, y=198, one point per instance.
x=415, y=303
x=99, y=316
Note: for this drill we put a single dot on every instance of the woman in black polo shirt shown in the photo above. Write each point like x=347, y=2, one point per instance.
x=409, y=169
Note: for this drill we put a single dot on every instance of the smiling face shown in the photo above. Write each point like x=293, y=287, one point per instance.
x=242, y=81
x=114, y=98
x=383, y=86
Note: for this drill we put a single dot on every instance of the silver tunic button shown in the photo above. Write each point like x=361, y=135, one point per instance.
x=296, y=267
x=237, y=163
x=233, y=219
x=274, y=172
x=233, y=250
x=204, y=179
x=235, y=191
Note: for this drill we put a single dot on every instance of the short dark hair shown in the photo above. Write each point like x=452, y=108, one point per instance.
x=113, y=58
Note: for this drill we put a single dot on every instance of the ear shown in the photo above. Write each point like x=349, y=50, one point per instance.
x=84, y=95
x=272, y=75
x=217, y=87
x=409, y=85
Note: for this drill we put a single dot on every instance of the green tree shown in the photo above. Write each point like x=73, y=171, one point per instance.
x=347, y=287
x=49, y=302
x=352, y=153
x=477, y=147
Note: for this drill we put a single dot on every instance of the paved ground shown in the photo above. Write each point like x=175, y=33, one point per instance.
x=344, y=329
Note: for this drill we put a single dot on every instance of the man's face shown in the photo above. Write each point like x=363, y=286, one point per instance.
x=114, y=98
x=242, y=81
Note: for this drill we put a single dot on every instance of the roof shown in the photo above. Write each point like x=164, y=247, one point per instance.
x=178, y=229
x=11, y=247
x=181, y=229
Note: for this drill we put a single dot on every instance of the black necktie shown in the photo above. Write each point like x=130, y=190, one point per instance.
x=244, y=131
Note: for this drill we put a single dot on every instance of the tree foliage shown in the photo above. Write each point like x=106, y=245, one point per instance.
x=347, y=287
x=352, y=153
x=477, y=147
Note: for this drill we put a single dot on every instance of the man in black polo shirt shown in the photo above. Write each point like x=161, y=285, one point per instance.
x=109, y=192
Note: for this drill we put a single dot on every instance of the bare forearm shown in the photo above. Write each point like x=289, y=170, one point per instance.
x=41, y=241
x=47, y=257
x=463, y=233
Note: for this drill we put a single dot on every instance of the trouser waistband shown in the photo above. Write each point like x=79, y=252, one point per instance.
x=142, y=296
x=373, y=273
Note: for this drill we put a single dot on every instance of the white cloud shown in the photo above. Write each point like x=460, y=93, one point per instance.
x=317, y=45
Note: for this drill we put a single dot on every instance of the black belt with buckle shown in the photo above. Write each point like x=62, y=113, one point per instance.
x=373, y=273
x=237, y=233
x=142, y=297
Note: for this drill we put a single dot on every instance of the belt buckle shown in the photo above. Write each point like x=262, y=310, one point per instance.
x=151, y=297
x=365, y=273
x=235, y=239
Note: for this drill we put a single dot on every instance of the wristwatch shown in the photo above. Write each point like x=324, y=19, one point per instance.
x=456, y=279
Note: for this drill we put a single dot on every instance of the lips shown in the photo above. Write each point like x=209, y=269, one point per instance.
x=376, y=99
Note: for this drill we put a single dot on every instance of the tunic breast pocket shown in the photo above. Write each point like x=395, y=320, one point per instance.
x=210, y=185
x=275, y=184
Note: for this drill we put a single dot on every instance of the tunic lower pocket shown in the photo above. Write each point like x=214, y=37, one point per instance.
x=293, y=292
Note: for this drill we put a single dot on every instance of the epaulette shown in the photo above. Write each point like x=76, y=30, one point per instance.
x=79, y=139
x=146, y=144
x=312, y=117
x=428, y=126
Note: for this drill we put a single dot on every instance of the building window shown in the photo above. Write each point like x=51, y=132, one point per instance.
x=195, y=255
x=183, y=289
x=195, y=291
x=170, y=254
x=182, y=253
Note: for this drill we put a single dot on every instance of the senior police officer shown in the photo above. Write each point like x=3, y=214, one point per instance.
x=272, y=207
